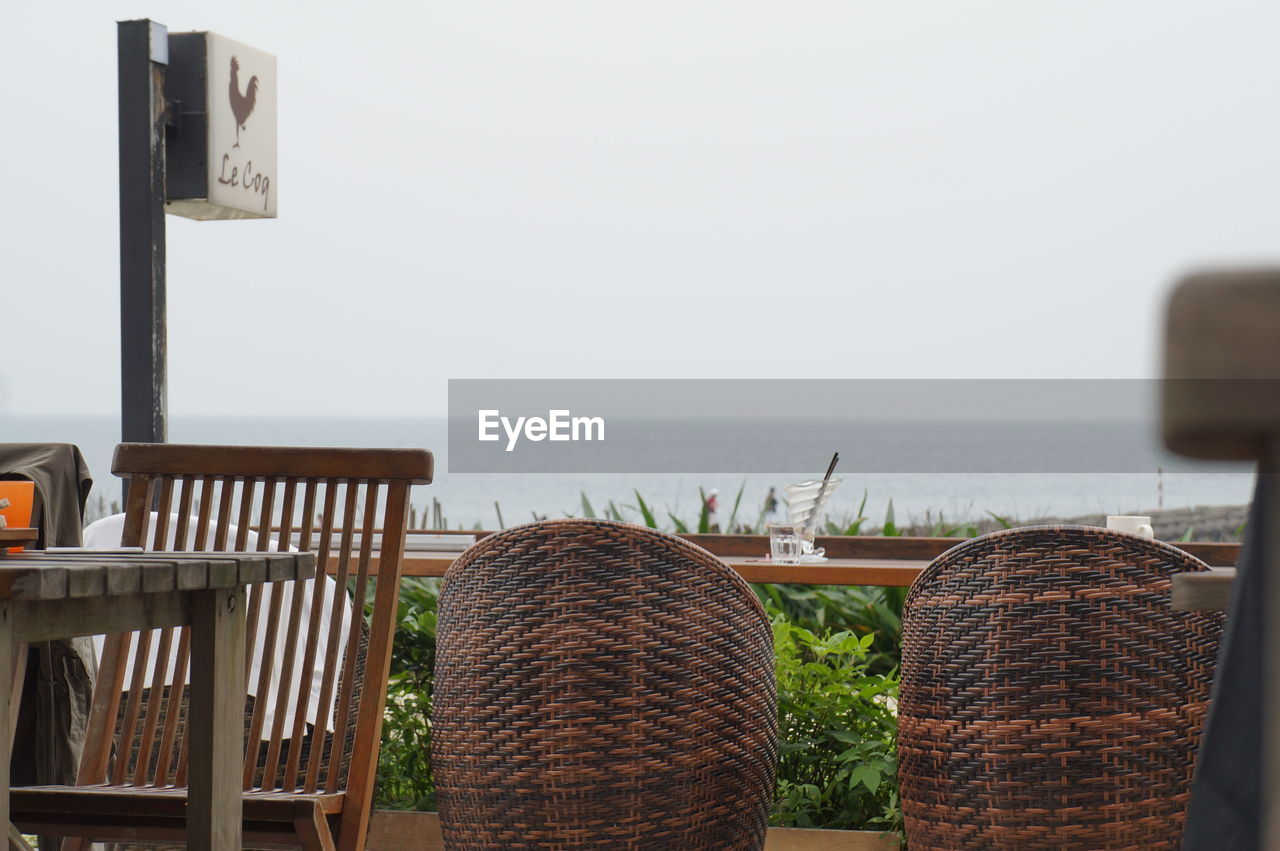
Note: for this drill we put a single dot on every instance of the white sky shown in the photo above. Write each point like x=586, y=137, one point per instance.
x=649, y=189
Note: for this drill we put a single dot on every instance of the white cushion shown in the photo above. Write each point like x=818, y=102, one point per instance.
x=106, y=534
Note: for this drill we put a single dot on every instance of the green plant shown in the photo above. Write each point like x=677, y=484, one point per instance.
x=649, y=519
x=940, y=527
x=853, y=526
x=833, y=523
x=1005, y=522
x=890, y=528
x=404, y=762
x=864, y=610
x=837, y=765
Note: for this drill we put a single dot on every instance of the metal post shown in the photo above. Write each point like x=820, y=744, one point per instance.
x=143, y=53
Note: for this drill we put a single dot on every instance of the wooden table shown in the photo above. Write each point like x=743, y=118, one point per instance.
x=17, y=536
x=852, y=560
x=1206, y=591
x=60, y=595
x=833, y=571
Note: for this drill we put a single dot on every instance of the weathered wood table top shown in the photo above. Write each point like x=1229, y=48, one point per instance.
x=64, y=574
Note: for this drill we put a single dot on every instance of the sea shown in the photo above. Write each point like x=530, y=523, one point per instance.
x=492, y=500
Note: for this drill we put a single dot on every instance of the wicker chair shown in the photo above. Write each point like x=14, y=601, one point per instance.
x=1050, y=696
x=600, y=685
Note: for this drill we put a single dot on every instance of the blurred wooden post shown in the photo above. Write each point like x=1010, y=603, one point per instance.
x=1222, y=374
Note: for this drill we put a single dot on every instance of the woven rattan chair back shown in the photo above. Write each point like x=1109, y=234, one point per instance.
x=601, y=685
x=343, y=504
x=1051, y=698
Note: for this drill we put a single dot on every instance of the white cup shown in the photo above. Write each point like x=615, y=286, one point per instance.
x=1134, y=524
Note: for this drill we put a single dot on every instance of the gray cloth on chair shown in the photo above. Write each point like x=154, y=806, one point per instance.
x=59, y=683
x=62, y=485
x=1225, y=811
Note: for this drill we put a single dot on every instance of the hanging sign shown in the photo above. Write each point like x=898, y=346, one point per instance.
x=221, y=147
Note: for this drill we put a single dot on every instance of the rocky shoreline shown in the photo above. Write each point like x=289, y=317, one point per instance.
x=1206, y=522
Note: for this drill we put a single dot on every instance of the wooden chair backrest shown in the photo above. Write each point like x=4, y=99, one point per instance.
x=330, y=501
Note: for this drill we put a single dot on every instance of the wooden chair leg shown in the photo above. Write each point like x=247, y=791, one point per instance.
x=15, y=688
x=16, y=842
x=312, y=828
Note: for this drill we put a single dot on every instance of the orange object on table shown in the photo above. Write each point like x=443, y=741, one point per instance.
x=20, y=495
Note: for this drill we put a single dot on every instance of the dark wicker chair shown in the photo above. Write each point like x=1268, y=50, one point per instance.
x=1050, y=696
x=600, y=685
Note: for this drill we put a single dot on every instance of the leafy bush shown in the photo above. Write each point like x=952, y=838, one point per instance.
x=837, y=766
x=404, y=763
x=865, y=610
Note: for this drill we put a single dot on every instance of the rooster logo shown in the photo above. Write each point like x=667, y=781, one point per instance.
x=241, y=104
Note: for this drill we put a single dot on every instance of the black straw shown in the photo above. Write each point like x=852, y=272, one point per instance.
x=831, y=468
x=817, y=502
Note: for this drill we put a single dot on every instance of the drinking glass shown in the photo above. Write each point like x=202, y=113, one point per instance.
x=785, y=541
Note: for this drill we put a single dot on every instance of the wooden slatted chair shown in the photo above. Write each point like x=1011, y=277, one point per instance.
x=313, y=718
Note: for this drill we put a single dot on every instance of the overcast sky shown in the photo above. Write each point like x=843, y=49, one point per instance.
x=649, y=189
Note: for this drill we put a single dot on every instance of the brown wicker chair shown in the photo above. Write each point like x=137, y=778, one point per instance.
x=1050, y=696
x=600, y=685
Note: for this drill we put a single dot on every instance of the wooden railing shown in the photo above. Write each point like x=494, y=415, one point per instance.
x=852, y=560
